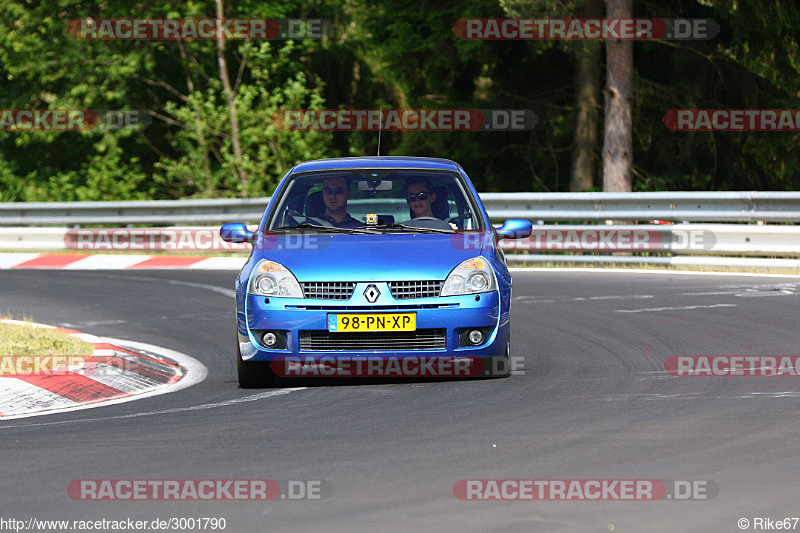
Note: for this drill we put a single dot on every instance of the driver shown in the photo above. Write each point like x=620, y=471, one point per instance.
x=335, y=193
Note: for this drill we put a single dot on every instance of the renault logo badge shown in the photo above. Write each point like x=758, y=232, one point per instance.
x=371, y=293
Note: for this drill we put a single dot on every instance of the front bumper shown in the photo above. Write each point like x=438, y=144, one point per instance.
x=446, y=315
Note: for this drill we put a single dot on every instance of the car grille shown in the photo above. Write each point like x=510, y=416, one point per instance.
x=325, y=341
x=342, y=307
x=328, y=290
x=343, y=290
x=403, y=290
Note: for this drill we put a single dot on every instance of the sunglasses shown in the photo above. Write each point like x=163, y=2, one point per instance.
x=421, y=195
x=336, y=191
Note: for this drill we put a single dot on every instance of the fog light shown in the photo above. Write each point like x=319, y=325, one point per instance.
x=269, y=339
x=475, y=336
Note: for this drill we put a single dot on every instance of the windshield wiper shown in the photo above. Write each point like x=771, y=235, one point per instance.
x=325, y=229
x=414, y=229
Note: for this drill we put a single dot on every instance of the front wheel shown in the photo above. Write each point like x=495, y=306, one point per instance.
x=498, y=366
x=253, y=374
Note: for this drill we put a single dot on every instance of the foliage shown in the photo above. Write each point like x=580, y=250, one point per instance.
x=381, y=53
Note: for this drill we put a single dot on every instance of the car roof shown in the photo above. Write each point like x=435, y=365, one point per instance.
x=377, y=162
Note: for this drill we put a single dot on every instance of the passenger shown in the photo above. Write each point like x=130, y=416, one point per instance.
x=420, y=198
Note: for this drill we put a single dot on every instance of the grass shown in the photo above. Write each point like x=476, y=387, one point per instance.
x=24, y=347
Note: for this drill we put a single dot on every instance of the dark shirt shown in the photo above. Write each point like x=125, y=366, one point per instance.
x=348, y=222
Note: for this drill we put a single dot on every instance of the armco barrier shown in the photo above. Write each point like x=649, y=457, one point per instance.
x=743, y=234
x=752, y=206
x=696, y=239
x=709, y=239
x=120, y=213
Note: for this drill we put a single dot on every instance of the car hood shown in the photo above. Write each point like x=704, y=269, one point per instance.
x=385, y=257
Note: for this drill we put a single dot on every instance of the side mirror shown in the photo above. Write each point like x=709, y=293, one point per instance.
x=515, y=228
x=235, y=232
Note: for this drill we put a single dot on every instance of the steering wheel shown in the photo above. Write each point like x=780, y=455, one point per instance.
x=428, y=222
x=320, y=221
x=300, y=218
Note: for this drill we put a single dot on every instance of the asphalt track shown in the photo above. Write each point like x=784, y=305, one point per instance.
x=593, y=401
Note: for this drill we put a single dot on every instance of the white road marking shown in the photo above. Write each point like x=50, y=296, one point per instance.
x=761, y=294
x=645, y=271
x=90, y=323
x=234, y=401
x=219, y=263
x=677, y=308
x=750, y=292
x=112, y=376
x=713, y=293
x=691, y=396
x=776, y=394
x=107, y=262
x=533, y=299
x=22, y=397
x=622, y=297
x=203, y=286
x=195, y=372
x=647, y=396
x=12, y=260
x=214, y=288
x=28, y=324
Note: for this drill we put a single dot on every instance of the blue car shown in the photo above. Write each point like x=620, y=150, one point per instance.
x=373, y=266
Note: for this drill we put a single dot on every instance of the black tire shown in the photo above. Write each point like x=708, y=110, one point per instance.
x=498, y=366
x=253, y=374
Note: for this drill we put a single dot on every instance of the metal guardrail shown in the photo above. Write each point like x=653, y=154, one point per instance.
x=142, y=212
x=694, y=239
x=745, y=232
x=752, y=206
x=676, y=261
x=690, y=239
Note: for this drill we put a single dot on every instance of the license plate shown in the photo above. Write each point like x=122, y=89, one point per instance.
x=366, y=322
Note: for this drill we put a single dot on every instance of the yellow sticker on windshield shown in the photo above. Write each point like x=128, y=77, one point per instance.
x=372, y=218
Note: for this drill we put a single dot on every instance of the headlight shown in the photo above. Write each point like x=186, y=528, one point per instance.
x=273, y=279
x=470, y=277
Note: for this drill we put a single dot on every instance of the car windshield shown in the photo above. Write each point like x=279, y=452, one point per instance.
x=375, y=201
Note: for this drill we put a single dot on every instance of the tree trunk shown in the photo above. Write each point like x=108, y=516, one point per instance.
x=226, y=85
x=587, y=89
x=618, y=140
x=198, y=130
